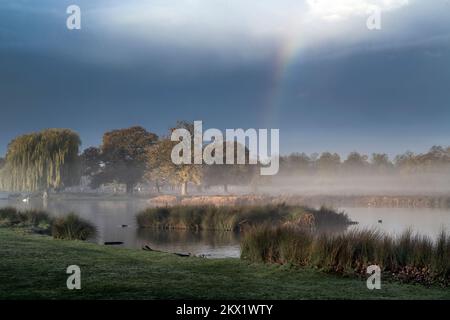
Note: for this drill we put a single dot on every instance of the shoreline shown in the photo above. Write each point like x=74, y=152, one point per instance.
x=315, y=201
x=440, y=201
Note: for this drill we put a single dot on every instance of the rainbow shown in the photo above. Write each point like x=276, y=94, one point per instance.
x=287, y=54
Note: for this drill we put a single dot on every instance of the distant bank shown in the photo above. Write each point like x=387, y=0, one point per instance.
x=337, y=201
x=441, y=201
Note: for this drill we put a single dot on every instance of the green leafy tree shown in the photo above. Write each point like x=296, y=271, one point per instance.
x=406, y=163
x=91, y=165
x=42, y=160
x=356, y=163
x=230, y=174
x=328, y=163
x=380, y=163
x=91, y=161
x=122, y=157
x=162, y=170
x=436, y=159
x=296, y=163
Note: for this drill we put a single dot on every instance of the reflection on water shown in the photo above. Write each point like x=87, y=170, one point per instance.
x=115, y=221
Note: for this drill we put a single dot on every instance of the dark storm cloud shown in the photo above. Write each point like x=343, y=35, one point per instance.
x=153, y=67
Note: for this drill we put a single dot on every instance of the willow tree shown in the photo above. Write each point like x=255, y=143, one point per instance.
x=42, y=160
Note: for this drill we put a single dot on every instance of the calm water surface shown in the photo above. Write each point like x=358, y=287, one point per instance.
x=394, y=221
x=115, y=221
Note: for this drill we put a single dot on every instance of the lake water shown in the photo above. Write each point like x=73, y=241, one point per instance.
x=394, y=221
x=115, y=221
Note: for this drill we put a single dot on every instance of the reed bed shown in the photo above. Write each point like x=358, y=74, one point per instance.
x=409, y=257
x=69, y=227
x=236, y=218
x=29, y=218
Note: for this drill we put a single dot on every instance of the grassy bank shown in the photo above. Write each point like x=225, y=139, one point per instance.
x=235, y=218
x=33, y=267
x=408, y=257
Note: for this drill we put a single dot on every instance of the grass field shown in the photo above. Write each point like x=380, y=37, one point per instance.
x=33, y=267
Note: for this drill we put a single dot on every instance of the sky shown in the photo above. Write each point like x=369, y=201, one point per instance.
x=311, y=68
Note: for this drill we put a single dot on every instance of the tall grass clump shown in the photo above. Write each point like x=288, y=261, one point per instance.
x=236, y=218
x=72, y=227
x=409, y=257
x=277, y=245
x=7, y=216
x=11, y=217
x=441, y=257
x=69, y=227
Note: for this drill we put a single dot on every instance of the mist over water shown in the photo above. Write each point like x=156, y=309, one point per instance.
x=430, y=184
x=391, y=200
x=115, y=222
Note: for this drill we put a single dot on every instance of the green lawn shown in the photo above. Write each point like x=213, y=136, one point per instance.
x=33, y=267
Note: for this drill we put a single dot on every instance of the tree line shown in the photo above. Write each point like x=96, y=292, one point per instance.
x=51, y=160
x=436, y=160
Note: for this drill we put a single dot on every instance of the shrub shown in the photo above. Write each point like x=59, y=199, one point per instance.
x=29, y=218
x=68, y=227
x=8, y=216
x=72, y=227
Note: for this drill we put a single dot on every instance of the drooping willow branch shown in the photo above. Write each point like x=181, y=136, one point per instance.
x=42, y=160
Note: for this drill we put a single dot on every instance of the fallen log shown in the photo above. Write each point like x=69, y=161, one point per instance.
x=147, y=248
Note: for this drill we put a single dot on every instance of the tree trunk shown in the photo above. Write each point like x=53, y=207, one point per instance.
x=225, y=188
x=158, y=189
x=254, y=187
x=184, y=188
x=130, y=188
x=45, y=199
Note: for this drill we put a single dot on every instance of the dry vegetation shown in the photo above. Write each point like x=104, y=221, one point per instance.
x=408, y=257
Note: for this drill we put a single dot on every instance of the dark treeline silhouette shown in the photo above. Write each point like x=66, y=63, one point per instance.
x=435, y=160
x=359, y=174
